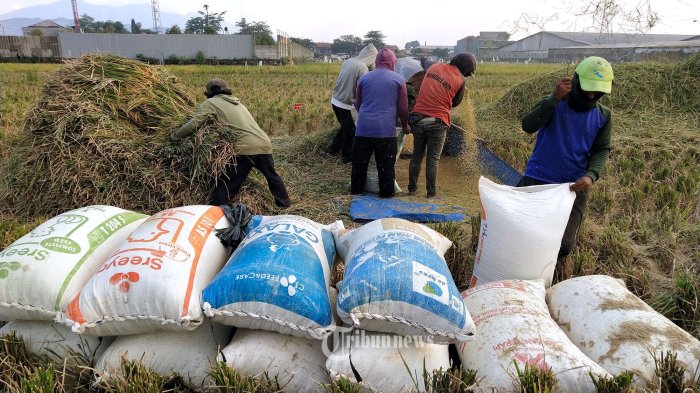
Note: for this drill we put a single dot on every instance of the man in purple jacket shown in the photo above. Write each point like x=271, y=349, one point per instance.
x=380, y=98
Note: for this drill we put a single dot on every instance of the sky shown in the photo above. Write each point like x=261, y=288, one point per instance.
x=441, y=22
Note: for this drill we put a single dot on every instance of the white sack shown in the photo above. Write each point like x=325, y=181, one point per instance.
x=43, y=271
x=617, y=329
x=297, y=362
x=521, y=231
x=153, y=281
x=513, y=323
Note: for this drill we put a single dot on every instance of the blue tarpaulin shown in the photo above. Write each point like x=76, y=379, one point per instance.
x=369, y=207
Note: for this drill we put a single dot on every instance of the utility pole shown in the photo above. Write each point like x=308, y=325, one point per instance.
x=76, y=17
x=155, y=6
x=206, y=18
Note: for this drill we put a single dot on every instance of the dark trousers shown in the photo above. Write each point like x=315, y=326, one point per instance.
x=384, y=150
x=342, y=142
x=568, y=242
x=426, y=138
x=229, y=185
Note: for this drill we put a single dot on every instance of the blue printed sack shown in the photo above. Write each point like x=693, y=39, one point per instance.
x=396, y=281
x=278, y=279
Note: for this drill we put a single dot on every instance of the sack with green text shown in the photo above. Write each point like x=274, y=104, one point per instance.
x=42, y=271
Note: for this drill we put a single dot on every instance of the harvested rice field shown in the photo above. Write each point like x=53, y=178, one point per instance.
x=95, y=131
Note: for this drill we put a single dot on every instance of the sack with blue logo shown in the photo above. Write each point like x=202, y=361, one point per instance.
x=396, y=281
x=278, y=279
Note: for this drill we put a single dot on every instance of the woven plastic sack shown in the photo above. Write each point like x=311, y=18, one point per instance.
x=513, y=325
x=190, y=354
x=43, y=271
x=154, y=280
x=521, y=231
x=619, y=330
x=381, y=362
x=396, y=280
x=57, y=341
x=278, y=279
x=297, y=363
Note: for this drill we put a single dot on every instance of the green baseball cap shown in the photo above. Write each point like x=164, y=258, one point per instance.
x=595, y=74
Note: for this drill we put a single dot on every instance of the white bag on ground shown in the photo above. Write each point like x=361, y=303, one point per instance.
x=521, y=231
x=154, y=280
x=617, y=329
x=191, y=354
x=278, y=279
x=396, y=281
x=513, y=323
x=57, y=341
x=372, y=180
x=298, y=363
x=376, y=361
x=42, y=271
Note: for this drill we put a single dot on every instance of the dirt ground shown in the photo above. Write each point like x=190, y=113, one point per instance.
x=454, y=186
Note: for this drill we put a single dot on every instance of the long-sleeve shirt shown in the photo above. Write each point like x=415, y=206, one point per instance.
x=569, y=144
x=248, y=137
x=381, y=96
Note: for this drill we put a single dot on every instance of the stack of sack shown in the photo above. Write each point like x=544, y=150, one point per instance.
x=147, y=293
x=587, y=324
x=514, y=328
x=399, y=303
x=276, y=290
x=46, y=268
x=618, y=330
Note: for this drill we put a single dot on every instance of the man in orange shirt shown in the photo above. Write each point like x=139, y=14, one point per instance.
x=442, y=89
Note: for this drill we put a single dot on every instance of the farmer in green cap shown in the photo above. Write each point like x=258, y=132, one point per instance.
x=573, y=141
x=252, y=146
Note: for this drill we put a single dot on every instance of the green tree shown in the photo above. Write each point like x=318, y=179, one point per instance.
x=441, y=53
x=305, y=42
x=174, y=29
x=261, y=30
x=374, y=37
x=412, y=44
x=135, y=27
x=90, y=25
x=36, y=33
x=212, y=21
x=349, y=44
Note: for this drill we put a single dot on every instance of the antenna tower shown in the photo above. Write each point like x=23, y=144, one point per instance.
x=76, y=18
x=156, y=16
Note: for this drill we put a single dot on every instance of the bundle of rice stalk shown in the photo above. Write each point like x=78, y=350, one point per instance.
x=642, y=86
x=99, y=135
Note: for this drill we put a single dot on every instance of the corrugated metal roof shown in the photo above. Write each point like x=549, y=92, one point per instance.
x=46, y=23
x=662, y=44
x=617, y=38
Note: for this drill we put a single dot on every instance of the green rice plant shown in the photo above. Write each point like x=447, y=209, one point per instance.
x=583, y=261
x=135, y=377
x=42, y=380
x=681, y=304
x=442, y=381
x=669, y=375
x=459, y=257
x=343, y=385
x=450, y=381
x=228, y=380
x=532, y=379
x=621, y=383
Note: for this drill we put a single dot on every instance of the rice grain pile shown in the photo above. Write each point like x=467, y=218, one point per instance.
x=99, y=135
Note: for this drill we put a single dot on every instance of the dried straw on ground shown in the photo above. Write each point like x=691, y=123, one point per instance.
x=99, y=135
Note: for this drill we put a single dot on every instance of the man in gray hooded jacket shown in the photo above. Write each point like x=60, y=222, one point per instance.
x=344, y=98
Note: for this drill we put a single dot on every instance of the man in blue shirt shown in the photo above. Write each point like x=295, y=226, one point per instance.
x=573, y=141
